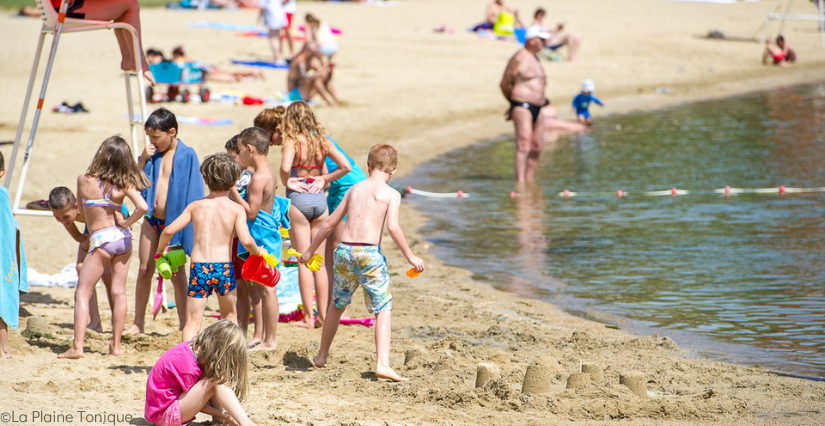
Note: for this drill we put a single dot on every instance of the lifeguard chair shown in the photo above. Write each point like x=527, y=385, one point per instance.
x=57, y=23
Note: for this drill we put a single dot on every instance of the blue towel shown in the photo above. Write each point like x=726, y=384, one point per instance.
x=185, y=187
x=266, y=228
x=266, y=64
x=13, y=269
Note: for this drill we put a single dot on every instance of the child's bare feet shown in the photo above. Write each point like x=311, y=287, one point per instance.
x=96, y=326
x=5, y=354
x=72, y=353
x=263, y=347
x=115, y=350
x=319, y=361
x=304, y=323
x=389, y=374
x=253, y=344
x=134, y=329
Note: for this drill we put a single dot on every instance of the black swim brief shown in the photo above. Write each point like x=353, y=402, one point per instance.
x=534, y=109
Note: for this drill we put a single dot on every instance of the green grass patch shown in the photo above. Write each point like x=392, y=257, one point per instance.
x=17, y=4
x=33, y=335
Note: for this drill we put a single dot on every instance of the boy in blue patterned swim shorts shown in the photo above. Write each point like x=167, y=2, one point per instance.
x=216, y=219
x=358, y=258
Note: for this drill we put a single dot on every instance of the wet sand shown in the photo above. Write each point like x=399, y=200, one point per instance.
x=426, y=93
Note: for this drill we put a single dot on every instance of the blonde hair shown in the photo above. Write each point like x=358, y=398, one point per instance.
x=270, y=119
x=115, y=164
x=221, y=352
x=299, y=120
x=220, y=171
x=383, y=157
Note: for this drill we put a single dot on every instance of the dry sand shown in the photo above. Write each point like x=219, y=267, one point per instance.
x=427, y=94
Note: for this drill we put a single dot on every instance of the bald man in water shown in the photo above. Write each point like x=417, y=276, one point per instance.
x=523, y=85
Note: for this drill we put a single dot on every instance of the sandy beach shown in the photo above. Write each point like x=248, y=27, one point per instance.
x=426, y=93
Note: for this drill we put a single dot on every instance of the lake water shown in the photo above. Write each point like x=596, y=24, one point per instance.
x=739, y=278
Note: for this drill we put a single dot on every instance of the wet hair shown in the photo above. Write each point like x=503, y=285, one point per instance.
x=220, y=171
x=155, y=52
x=383, y=157
x=780, y=39
x=161, y=119
x=178, y=51
x=2, y=162
x=312, y=20
x=270, y=119
x=299, y=120
x=539, y=11
x=222, y=356
x=115, y=164
x=232, y=144
x=256, y=137
x=61, y=197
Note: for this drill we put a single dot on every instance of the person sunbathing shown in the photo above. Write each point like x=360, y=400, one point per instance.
x=557, y=37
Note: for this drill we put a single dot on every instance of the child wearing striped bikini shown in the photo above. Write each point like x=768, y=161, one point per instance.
x=113, y=176
x=216, y=219
x=305, y=148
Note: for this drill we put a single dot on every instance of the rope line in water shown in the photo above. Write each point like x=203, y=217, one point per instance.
x=781, y=190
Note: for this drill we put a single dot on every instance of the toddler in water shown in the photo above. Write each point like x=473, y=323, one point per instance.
x=358, y=258
x=112, y=176
x=581, y=103
x=305, y=148
x=205, y=375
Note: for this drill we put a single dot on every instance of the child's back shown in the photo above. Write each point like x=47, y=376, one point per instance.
x=367, y=208
x=214, y=220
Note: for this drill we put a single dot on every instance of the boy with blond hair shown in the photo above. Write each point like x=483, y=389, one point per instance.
x=215, y=219
x=266, y=213
x=358, y=258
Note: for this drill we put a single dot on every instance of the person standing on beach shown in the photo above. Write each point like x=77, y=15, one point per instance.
x=523, y=85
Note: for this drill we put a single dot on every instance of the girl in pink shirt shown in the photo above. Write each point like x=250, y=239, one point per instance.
x=205, y=375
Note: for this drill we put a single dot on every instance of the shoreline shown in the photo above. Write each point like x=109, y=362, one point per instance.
x=427, y=94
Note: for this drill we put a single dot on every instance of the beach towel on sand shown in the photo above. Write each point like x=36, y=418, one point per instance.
x=12, y=263
x=266, y=228
x=185, y=186
x=265, y=64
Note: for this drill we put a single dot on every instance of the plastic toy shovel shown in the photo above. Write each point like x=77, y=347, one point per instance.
x=314, y=263
x=412, y=273
x=158, y=299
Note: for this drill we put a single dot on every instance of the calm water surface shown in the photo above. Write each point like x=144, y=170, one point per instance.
x=740, y=278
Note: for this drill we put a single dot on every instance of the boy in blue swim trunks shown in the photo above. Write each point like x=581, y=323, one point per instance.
x=358, y=258
x=581, y=103
x=173, y=169
x=215, y=219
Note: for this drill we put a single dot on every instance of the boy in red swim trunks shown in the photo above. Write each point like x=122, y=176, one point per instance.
x=216, y=220
x=781, y=52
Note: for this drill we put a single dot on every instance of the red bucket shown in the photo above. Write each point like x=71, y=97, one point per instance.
x=256, y=269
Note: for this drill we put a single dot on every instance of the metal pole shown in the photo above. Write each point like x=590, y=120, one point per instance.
x=25, y=110
x=27, y=156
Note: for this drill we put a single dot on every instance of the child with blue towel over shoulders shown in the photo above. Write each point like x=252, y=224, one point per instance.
x=12, y=268
x=581, y=103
